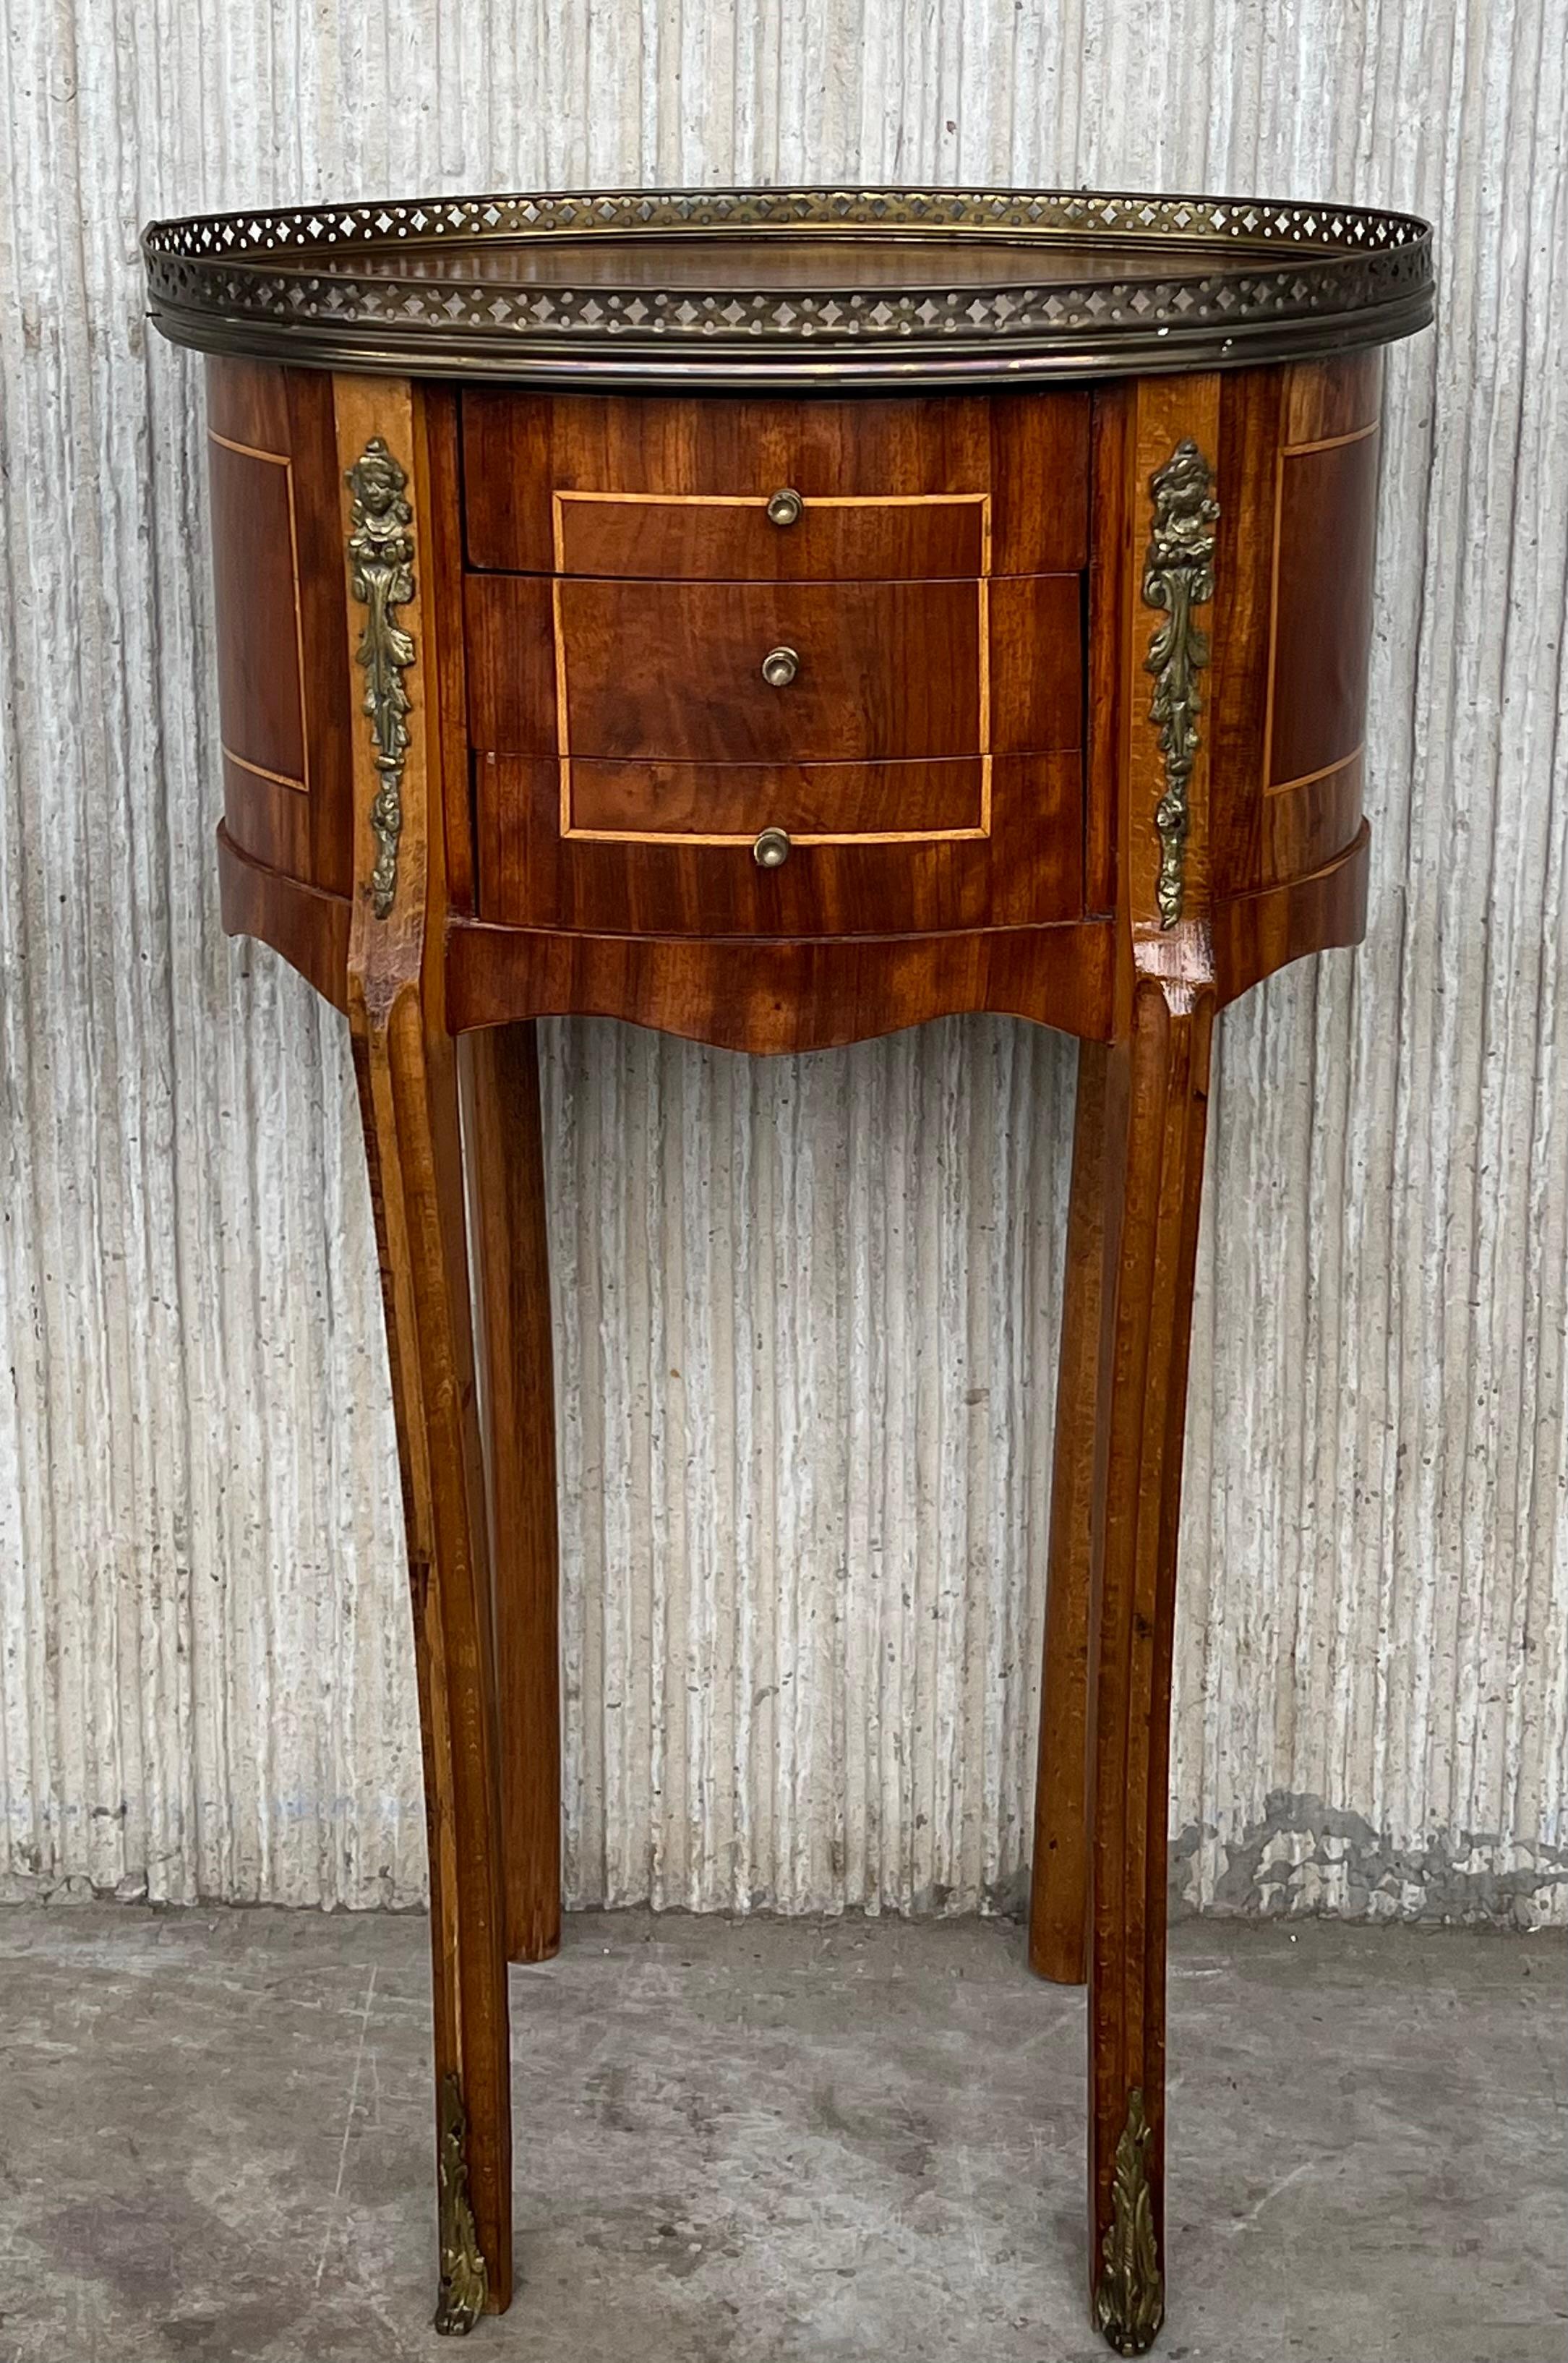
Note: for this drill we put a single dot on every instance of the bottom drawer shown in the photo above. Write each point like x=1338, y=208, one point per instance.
x=815, y=803
x=913, y=846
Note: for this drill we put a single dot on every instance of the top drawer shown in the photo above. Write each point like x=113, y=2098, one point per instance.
x=951, y=487
x=780, y=537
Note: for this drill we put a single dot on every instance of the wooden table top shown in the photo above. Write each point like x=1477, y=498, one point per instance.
x=786, y=288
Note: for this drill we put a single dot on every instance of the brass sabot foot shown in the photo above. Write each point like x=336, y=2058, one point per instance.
x=465, y=2278
x=1129, y=2302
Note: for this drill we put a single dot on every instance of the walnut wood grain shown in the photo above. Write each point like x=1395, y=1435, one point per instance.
x=1251, y=935
x=873, y=988
x=261, y=670
x=284, y=702
x=1027, y=868
x=1325, y=398
x=408, y=1101
x=673, y=671
x=795, y=994
x=441, y=557
x=1020, y=688
x=1148, y=1187
x=406, y=1064
x=506, y=1191
x=1111, y=589
x=1059, y=1895
x=304, y=925
x=1285, y=691
x=1308, y=824
x=1325, y=540
x=886, y=537
x=1029, y=452
x=904, y=678
x=1252, y=409
x=704, y=801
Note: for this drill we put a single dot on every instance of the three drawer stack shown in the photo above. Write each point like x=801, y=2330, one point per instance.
x=813, y=668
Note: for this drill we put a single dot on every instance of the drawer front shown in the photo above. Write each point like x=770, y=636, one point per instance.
x=720, y=538
x=891, y=489
x=1024, y=867
x=676, y=670
x=861, y=716
x=672, y=672
x=708, y=803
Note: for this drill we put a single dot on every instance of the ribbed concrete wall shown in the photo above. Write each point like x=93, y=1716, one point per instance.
x=806, y=1309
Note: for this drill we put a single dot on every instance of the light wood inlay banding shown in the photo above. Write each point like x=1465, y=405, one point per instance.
x=299, y=783
x=1310, y=779
x=259, y=770
x=1319, y=607
x=693, y=653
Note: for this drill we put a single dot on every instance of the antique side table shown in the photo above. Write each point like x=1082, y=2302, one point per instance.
x=779, y=616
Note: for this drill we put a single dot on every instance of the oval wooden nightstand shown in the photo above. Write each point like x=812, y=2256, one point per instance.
x=777, y=618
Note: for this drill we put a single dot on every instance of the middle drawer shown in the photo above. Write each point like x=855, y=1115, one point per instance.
x=855, y=673
x=728, y=673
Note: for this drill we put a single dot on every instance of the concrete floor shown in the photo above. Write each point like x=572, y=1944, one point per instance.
x=858, y=2142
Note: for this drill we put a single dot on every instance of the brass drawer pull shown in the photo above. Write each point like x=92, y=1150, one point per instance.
x=771, y=850
x=779, y=667
x=785, y=506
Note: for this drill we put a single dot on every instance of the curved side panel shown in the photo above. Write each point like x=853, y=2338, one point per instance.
x=1298, y=461
x=781, y=995
x=283, y=692
x=1252, y=935
x=308, y=927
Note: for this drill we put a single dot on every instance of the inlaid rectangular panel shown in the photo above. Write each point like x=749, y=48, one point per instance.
x=261, y=665
x=1283, y=699
x=284, y=693
x=627, y=753
x=627, y=584
x=1321, y=633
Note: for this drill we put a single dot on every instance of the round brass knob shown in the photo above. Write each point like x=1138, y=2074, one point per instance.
x=771, y=850
x=779, y=667
x=785, y=506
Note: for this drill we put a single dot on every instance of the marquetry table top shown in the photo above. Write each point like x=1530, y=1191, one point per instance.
x=780, y=288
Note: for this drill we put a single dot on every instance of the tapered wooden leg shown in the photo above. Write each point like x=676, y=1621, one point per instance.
x=1058, y=1907
x=406, y=1065
x=408, y=1098
x=1153, y=1169
x=506, y=1192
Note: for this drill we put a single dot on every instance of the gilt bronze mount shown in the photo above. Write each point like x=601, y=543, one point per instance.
x=1179, y=576
x=1129, y=2299
x=464, y=2278
x=1204, y=282
x=381, y=563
